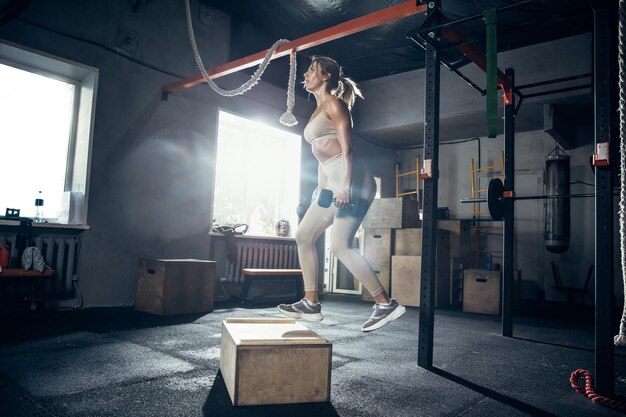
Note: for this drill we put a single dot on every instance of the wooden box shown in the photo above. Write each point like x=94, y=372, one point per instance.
x=460, y=238
x=406, y=281
x=392, y=213
x=274, y=361
x=406, y=269
x=377, y=252
x=408, y=242
x=175, y=286
x=406, y=274
x=481, y=291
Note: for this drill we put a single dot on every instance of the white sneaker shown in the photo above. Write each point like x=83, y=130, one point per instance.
x=302, y=310
x=382, y=315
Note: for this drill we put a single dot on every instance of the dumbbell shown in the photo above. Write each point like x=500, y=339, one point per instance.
x=359, y=207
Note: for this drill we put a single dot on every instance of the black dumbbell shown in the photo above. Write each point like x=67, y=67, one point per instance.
x=359, y=207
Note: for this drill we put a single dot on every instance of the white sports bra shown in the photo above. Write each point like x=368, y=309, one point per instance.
x=320, y=128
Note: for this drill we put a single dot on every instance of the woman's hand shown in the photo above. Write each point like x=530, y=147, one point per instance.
x=342, y=199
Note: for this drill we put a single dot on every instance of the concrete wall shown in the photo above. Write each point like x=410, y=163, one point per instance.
x=393, y=111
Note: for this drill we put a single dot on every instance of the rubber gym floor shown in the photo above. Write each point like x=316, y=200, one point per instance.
x=120, y=362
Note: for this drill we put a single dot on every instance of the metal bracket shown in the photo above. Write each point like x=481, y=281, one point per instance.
x=426, y=173
x=601, y=156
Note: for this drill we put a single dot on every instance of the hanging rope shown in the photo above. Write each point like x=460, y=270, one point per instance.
x=288, y=119
x=620, y=339
x=587, y=390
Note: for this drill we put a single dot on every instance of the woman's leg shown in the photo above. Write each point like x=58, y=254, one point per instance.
x=343, y=231
x=315, y=222
x=344, y=228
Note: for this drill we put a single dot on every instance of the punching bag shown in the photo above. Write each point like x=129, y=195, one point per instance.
x=557, y=210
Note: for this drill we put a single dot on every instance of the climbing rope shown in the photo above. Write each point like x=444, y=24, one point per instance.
x=287, y=118
x=587, y=390
x=620, y=339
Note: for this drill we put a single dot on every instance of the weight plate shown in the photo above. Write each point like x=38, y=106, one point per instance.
x=494, y=199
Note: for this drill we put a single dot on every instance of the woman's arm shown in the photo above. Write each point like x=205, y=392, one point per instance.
x=340, y=117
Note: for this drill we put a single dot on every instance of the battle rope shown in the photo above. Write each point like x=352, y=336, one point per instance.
x=254, y=79
x=588, y=391
x=620, y=339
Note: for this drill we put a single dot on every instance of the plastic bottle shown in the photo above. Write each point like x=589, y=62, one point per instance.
x=39, y=208
x=489, y=262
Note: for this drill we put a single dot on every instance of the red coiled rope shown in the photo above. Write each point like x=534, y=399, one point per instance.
x=618, y=404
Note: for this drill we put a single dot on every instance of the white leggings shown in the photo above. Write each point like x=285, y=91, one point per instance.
x=344, y=226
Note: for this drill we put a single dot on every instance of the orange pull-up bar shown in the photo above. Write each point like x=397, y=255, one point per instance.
x=390, y=14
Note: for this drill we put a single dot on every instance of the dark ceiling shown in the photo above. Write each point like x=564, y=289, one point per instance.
x=386, y=49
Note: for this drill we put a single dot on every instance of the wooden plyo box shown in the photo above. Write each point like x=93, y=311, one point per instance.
x=406, y=282
x=392, y=213
x=175, y=286
x=481, y=291
x=274, y=361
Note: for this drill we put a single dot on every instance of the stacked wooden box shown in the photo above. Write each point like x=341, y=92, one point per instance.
x=406, y=267
x=384, y=217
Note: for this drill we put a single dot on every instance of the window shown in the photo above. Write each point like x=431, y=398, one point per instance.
x=45, y=133
x=257, y=175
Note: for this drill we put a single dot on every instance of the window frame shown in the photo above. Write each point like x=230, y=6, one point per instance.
x=80, y=143
x=245, y=116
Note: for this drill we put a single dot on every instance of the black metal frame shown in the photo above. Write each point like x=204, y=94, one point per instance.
x=604, y=362
x=429, y=226
x=509, y=213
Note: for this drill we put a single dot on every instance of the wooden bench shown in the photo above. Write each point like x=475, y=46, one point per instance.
x=255, y=275
x=18, y=275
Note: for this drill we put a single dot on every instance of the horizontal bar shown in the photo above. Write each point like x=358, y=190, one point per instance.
x=390, y=14
x=408, y=193
x=544, y=197
x=560, y=90
x=407, y=173
x=555, y=81
x=528, y=197
x=488, y=168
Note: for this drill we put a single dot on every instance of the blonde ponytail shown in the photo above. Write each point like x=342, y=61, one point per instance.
x=348, y=91
x=340, y=86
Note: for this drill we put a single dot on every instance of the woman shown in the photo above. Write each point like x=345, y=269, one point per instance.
x=328, y=132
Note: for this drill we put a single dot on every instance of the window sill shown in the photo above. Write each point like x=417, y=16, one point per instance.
x=215, y=234
x=16, y=223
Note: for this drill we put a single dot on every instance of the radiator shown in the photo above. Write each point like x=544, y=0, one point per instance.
x=256, y=253
x=60, y=253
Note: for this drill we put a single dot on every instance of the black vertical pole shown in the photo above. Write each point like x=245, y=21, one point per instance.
x=509, y=209
x=430, y=176
x=604, y=370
